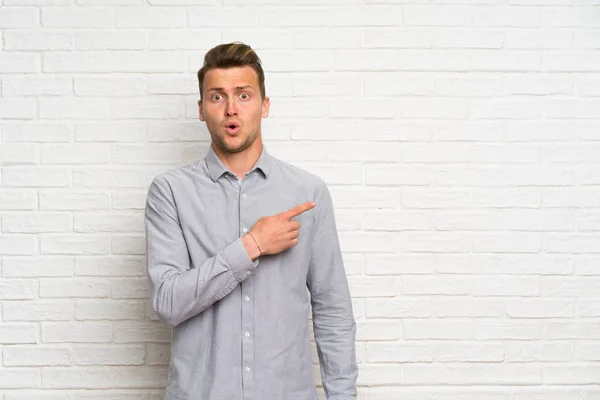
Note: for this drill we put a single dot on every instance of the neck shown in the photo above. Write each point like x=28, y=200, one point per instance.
x=242, y=162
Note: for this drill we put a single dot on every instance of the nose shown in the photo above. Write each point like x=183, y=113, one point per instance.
x=230, y=110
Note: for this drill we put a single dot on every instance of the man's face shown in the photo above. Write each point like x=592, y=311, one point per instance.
x=232, y=108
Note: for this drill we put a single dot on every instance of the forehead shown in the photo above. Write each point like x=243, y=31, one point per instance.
x=230, y=78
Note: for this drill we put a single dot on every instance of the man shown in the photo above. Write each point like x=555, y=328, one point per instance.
x=234, y=242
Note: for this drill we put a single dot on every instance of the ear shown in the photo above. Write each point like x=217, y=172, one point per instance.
x=200, y=111
x=266, y=104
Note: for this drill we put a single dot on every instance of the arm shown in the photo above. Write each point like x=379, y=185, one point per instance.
x=179, y=291
x=333, y=320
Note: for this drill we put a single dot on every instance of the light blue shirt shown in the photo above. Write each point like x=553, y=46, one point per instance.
x=241, y=327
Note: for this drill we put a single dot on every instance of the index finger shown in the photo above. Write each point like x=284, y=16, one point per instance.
x=299, y=209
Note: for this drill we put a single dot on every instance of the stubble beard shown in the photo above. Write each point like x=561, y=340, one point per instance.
x=224, y=147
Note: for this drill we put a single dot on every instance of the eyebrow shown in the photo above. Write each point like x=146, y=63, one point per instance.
x=220, y=89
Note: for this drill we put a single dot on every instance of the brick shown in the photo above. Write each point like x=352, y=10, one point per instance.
x=150, y=61
x=128, y=245
x=366, y=60
x=17, y=109
x=110, y=355
x=19, y=333
x=19, y=63
x=477, y=131
x=378, y=330
x=438, y=285
x=18, y=86
x=75, y=154
x=34, y=131
x=398, y=352
x=405, y=264
x=128, y=201
x=104, y=378
x=121, y=39
x=73, y=288
x=397, y=221
x=76, y=332
x=109, y=177
x=385, y=175
x=373, y=15
x=432, y=199
x=16, y=289
x=141, y=331
x=514, y=17
x=500, y=329
x=327, y=39
x=122, y=131
x=78, y=17
x=224, y=17
x=37, y=267
x=20, y=378
x=108, y=310
x=504, y=243
x=157, y=354
x=266, y=38
x=458, y=329
x=373, y=286
x=17, y=200
x=34, y=176
x=398, y=38
x=18, y=245
x=468, y=352
x=289, y=17
x=505, y=61
x=17, y=153
x=18, y=18
x=373, y=374
x=467, y=39
x=74, y=245
x=121, y=266
x=35, y=223
x=583, y=374
x=525, y=351
x=110, y=86
x=470, y=86
x=585, y=330
x=472, y=374
x=35, y=311
x=435, y=242
x=572, y=61
x=436, y=15
x=399, y=307
x=85, y=62
x=38, y=40
x=588, y=39
x=182, y=39
x=73, y=201
x=42, y=356
x=505, y=109
x=108, y=223
x=326, y=130
x=469, y=307
x=586, y=351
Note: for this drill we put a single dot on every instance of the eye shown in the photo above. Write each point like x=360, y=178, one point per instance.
x=244, y=96
x=216, y=97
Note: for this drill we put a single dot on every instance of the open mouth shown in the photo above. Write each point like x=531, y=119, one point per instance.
x=232, y=127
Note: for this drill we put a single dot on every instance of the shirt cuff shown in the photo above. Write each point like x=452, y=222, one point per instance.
x=238, y=260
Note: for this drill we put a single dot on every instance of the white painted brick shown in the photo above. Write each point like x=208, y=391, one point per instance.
x=398, y=39
x=266, y=38
x=435, y=242
x=521, y=17
x=571, y=243
x=24, y=356
x=538, y=39
x=17, y=109
x=35, y=223
x=369, y=242
x=582, y=374
x=366, y=60
x=73, y=201
x=36, y=2
x=110, y=86
x=113, y=177
x=78, y=17
x=122, y=131
x=38, y=311
x=20, y=378
x=326, y=130
x=38, y=40
x=376, y=152
x=455, y=328
x=378, y=330
x=527, y=351
x=570, y=286
x=373, y=374
x=75, y=154
x=226, y=17
x=110, y=266
x=305, y=60
x=13, y=200
x=130, y=288
x=398, y=84
x=436, y=16
x=16, y=153
x=472, y=374
x=373, y=15
x=586, y=330
x=397, y=352
x=586, y=39
x=441, y=393
x=505, y=109
x=477, y=131
x=103, y=378
x=74, y=244
x=328, y=39
x=435, y=153
x=470, y=39
x=457, y=85
x=399, y=307
x=111, y=40
x=19, y=333
x=505, y=286
x=150, y=17
x=586, y=265
x=587, y=86
x=27, y=267
x=128, y=201
x=435, y=285
x=76, y=332
x=392, y=175
x=108, y=223
x=572, y=61
x=286, y=17
x=570, y=16
x=571, y=197
x=77, y=62
x=19, y=63
x=506, y=243
x=505, y=61
x=110, y=355
x=472, y=308
x=17, y=289
x=404, y=264
x=361, y=286
x=20, y=131
x=412, y=198
x=73, y=108
x=500, y=329
x=18, y=245
x=300, y=151
x=17, y=86
x=357, y=198
x=431, y=107
x=18, y=18
x=393, y=130
x=587, y=351
x=188, y=39
x=469, y=352
x=73, y=287
x=157, y=354
x=108, y=310
x=150, y=61
x=339, y=174
x=135, y=108
x=141, y=331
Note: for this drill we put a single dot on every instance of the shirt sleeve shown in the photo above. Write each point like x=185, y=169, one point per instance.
x=333, y=319
x=181, y=290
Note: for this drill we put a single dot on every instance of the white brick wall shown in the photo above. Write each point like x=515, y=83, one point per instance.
x=460, y=139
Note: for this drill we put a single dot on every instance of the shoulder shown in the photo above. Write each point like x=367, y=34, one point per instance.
x=177, y=178
x=300, y=177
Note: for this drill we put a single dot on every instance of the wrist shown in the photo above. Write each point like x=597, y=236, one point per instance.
x=251, y=247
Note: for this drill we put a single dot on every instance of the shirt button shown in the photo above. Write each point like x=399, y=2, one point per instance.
x=247, y=369
x=247, y=298
x=245, y=230
x=248, y=272
x=247, y=334
x=244, y=196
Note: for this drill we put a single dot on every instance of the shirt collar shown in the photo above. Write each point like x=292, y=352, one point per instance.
x=216, y=168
